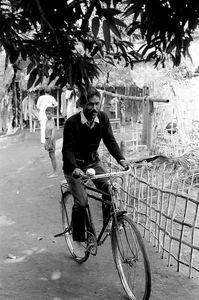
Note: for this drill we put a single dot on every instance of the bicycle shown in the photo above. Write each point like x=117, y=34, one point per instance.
x=128, y=248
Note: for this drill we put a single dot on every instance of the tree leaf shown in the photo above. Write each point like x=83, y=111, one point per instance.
x=122, y=48
x=115, y=2
x=171, y=45
x=107, y=36
x=32, y=78
x=39, y=80
x=119, y=22
x=132, y=28
x=95, y=26
x=14, y=54
x=95, y=50
x=110, y=11
x=114, y=29
x=129, y=11
x=46, y=70
x=151, y=55
x=23, y=54
x=109, y=60
x=30, y=67
x=54, y=74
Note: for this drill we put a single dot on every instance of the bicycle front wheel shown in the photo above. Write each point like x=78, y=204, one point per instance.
x=131, y=259
x=66, y=211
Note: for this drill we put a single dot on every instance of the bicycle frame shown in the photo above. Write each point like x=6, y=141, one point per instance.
x=112, y=203
x=90, y=196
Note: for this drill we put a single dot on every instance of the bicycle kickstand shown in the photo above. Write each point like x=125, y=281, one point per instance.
x=62, y=233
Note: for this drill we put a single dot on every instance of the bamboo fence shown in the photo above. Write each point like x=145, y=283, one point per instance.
x=164, y=204
x=167, y=215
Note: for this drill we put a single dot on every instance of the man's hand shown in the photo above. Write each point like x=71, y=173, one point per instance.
x=77, y=173
x=124, y=163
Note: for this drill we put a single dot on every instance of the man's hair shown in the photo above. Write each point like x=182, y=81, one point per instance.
x=49, y=109
x=88, y=94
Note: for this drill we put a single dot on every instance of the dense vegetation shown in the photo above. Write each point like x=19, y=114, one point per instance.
x=64, y=39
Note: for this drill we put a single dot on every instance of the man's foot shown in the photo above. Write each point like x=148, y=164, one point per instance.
x=53, y=175
x=79, y=249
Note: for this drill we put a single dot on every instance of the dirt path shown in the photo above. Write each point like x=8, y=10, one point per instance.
x=33, y=265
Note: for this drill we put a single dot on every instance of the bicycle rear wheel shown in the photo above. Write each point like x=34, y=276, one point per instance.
x=131, y=259
x=66, y=210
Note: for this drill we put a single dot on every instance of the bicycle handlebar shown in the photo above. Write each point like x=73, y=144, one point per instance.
x=110, y=174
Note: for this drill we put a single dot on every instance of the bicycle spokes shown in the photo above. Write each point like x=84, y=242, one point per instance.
x=123, y=237
x=130, y=259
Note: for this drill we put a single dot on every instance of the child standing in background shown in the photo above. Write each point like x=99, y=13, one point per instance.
x=43, y=102
x=50, y=140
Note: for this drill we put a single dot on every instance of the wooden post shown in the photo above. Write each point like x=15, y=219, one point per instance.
x=145, y=121
x=16, y=105
x=57, y=108
x=21, y=112
x=194, y=222
x=122, y=129
x=150, y=123
x=116, y=106
x=102, y=101
x=122, y=148
x=148, y=109
x=30, y=111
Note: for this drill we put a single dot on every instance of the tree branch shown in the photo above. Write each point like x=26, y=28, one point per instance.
x=46, y=20
x=88, y=14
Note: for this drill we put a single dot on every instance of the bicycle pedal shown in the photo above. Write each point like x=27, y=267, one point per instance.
x=91, y=244
x=92, y=249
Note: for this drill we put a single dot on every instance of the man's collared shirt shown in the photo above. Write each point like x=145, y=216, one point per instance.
x=85, y=121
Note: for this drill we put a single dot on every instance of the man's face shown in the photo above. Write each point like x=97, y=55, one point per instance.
x=91, y=108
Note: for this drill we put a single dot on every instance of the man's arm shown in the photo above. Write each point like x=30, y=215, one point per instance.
x=109, y=140
x=112, y=146
x=68, y=148
x=38, y=105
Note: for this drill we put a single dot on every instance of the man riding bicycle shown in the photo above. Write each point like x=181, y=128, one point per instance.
x=81, y=139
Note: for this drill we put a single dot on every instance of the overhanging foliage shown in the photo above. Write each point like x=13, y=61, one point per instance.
x=64, y=39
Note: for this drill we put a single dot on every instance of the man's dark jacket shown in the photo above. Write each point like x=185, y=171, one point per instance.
x=80, y=142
